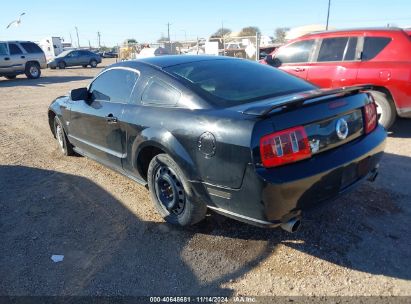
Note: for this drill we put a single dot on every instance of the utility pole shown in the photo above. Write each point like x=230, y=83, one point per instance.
x=99, y=39
x=168, y=32
x=89, y=45
x=78, y=39
x=71, y=40
x=168, y=35
x=328, y=14
x=222, y=36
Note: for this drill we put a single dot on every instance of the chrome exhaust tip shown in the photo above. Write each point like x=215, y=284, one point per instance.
x=292, y=225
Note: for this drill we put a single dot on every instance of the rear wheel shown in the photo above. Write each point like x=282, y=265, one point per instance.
x=385, y=109
x=11, y=77
x=93, y=63
x=32, y=70
x=170, y=191
x=62, y=65
x=62, y=140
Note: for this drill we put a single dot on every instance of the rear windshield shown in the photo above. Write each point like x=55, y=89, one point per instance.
x=232, y=82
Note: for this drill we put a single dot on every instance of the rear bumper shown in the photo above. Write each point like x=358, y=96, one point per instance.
x=269, y=197
x=43, y=65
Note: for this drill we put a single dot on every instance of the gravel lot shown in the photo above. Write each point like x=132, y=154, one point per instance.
x=114, y=243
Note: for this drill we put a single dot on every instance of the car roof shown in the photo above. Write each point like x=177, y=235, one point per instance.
x=170, y=60
x=385, y=30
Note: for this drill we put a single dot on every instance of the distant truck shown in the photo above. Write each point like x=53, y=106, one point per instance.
x=52, y=47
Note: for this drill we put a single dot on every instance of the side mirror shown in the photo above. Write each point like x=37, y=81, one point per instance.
x=79, y=94
x=275, y=62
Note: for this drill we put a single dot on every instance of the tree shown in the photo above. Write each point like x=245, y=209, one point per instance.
x=221, y=32
x=130, y=41
x=280, y=34
x=250, y=31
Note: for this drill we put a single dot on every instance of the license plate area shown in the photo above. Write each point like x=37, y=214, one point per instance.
x=354, y=172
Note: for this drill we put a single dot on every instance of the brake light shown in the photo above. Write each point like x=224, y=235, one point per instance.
x=284, y=147
x=370, y=116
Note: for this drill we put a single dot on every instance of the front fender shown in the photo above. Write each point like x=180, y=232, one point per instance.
x=57, y=108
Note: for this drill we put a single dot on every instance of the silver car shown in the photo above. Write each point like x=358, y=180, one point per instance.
x=21, y=57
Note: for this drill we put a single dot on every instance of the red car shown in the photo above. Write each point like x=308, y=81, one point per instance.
x=381, y=57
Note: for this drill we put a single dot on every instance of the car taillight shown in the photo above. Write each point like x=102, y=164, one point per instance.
x=370, y=116
x=284, y=147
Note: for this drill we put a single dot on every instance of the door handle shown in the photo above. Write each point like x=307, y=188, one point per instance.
x=299, y=69
x=111, y=119
x=22, y=57
x=6, y=58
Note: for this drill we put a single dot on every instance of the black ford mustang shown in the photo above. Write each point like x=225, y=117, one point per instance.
x=238, y=137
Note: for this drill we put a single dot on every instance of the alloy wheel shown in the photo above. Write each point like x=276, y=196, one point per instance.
x=34, y=71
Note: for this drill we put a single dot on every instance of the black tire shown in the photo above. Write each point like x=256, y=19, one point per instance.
x=10, y=77
x=32, y=70
x=93, y=63
x=385, y=109
x=171, y=193
x=62, y=65
x=62, y=140
x=53, y=68
x=84, y=65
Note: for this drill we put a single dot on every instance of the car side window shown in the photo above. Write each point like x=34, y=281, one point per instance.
x=157, y=92
x=114, y=85
x=31, y=47
x=351, y=50
x=3, y=49
x=332, y=49
x=296, y=52
x=373, y=46
x=14, y=49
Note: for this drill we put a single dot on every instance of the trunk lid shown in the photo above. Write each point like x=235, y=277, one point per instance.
x=330, y=118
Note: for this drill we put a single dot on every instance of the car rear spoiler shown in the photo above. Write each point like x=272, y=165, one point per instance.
x=299, y=99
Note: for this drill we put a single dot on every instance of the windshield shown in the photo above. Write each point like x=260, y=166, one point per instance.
x=63, y=54
x=232, y=82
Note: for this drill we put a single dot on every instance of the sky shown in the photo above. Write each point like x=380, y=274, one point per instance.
x=146, y=21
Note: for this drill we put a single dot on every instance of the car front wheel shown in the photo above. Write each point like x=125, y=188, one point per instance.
x=62, y=65
x=62, y=140
x=171, y=193
x=385, y=109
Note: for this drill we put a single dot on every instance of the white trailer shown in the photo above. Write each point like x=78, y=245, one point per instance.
x=51, y=46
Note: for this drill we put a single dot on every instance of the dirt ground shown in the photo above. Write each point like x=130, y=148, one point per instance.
x=114, y=243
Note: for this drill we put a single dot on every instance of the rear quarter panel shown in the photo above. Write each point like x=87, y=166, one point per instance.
x=177, y=131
